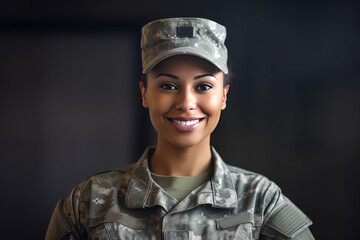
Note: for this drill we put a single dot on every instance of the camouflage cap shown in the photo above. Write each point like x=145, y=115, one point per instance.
x=175, y=36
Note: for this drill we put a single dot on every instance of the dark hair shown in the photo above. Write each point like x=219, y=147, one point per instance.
x=227, y=78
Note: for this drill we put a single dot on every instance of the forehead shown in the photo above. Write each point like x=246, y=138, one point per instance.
x=181, y=62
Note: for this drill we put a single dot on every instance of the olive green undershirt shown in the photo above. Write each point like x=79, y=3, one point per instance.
x=180, y=187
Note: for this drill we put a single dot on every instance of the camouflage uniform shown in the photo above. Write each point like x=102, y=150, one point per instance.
x=127, y=204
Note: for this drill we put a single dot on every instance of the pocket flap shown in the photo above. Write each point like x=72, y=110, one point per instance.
x=123, y=218
x=234, y=220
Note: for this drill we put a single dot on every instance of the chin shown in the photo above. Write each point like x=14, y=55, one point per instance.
x=183, y=143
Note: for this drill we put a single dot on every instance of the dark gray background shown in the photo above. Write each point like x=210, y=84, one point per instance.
x=70, y=104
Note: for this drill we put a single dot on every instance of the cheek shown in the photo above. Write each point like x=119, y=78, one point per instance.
x=159, y=106
x=212, y=104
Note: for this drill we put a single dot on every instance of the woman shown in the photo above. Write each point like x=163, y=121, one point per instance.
x=181, y=189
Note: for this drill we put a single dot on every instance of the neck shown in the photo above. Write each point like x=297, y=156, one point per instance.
x=174, y=161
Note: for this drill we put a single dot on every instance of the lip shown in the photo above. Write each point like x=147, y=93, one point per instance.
x=185, y=124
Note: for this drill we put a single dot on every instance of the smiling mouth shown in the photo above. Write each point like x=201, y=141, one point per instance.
x=187, y=122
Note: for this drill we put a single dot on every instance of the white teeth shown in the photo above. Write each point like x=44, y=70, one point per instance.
x=186, y=123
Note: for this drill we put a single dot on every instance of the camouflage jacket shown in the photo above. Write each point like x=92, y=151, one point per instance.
x=127, y=204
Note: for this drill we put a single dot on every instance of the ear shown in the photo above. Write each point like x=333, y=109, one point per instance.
x=226, y=90
x=143, y=95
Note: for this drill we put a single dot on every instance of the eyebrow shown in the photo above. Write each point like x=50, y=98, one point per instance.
x=168, y=75
x=177, y=78
x=204, y=75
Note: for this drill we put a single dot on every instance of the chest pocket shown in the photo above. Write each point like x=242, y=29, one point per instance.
x=118, y=226
x=177, y=235
x=236, y=227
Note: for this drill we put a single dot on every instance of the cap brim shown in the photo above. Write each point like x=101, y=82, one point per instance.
x=183, y=51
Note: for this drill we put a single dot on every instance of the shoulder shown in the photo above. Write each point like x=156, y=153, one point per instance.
x=240, y=172
x=245, y=180
x=103, y=186
x=256, y=190
x=281, y=219
x=112, y=174
x=253, y=190
x=94, y=197
x=105, y=183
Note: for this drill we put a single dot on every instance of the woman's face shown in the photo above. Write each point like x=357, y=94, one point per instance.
x=185, y=96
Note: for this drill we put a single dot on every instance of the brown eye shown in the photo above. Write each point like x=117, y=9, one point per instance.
x=204, y=87
x=168, y=86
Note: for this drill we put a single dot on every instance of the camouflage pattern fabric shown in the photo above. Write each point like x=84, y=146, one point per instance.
x=127, y=204
x=200, y=37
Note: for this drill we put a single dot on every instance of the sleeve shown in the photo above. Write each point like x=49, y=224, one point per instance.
x=284, y=220
x=69, y=219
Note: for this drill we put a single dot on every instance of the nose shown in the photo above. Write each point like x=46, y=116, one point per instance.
x=186, y=100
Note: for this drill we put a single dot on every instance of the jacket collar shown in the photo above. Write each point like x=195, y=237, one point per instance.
x=144, y=192
x=224, y=193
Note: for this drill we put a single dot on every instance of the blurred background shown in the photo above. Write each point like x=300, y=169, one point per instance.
x=70, y=104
